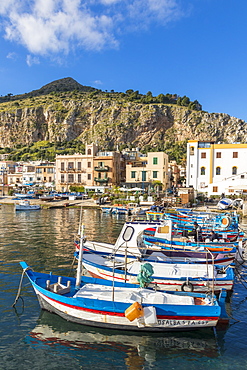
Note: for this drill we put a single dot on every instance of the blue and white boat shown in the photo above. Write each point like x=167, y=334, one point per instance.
x=122, y=306
x=164, y=273
x=131, y=243
x=25, y=205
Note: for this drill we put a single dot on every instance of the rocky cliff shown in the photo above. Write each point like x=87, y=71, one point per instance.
x=109, y=120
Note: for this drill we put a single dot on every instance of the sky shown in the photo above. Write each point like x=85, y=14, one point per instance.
x=195, y=48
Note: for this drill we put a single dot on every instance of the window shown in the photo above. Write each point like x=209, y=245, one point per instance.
x=79, y=166
x=133, y=174
x=235, y=155
x=218, y=170
x=79, y=177
x=38, y=170
x=191, y=165
x=89, y=176
x=155, y=160
x=242, y=176
x=155, y=174
x=89, y=152
x=44, y=178
x=70, y=165
x=128, y=233
x=44, y=169
x=62, y=166
x=70, y=177
x=50, y=179
x=203, y=155
x=218, y=154
x=49, y=170
x=62, y=178
x=144, y=175
x=215, y=189
x=101, y=164
x=203, y=170
x=234, y=170
x=89, y=164
x=192, y=150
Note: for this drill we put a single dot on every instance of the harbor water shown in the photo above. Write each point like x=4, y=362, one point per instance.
x=35, y=339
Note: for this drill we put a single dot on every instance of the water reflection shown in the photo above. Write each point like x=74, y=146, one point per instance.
x=134, y=350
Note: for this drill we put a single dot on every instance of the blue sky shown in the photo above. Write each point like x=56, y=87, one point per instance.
x=186, y=47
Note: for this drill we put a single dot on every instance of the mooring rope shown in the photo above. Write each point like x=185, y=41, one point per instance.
x=19, y=289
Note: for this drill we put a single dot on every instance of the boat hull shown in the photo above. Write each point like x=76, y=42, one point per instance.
x=161, y=282
x=102, y=305
x=120, y=322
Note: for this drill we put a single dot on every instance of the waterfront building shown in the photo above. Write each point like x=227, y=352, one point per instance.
x=94, y=168
x=6, y=168
x=45, y=174
x=173, y=174
x=216, y=168
x=145, y=171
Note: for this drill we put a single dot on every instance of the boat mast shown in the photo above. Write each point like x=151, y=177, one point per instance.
x=79, y=267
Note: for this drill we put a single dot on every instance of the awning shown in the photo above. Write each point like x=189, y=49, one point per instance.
x=238, y=187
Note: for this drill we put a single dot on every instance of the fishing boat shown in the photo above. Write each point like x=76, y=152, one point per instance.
x=107, y=210
x=23, y=196
x=224, y=203
x=167, y=238
x=164, y=274
x=130, y=242
x=107, y=304
x=208, y=221
x=24, y=205
x=120, y=210
x=47, y=197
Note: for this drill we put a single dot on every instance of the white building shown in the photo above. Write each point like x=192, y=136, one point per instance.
x=216, y=168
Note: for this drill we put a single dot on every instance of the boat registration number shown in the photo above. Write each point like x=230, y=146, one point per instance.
x=167, y=322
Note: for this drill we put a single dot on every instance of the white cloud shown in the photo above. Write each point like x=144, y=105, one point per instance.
x=32, y=60
x=98, y=82
x=11, y=55
x=59, y=26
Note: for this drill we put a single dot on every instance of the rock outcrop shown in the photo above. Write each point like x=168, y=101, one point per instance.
x=110, y=122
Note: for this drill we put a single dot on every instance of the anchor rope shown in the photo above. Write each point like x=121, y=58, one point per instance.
x=19, y=288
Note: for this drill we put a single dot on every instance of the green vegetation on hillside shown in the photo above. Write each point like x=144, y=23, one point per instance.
x=68, y=88
x=46, y=151
x=43, y=150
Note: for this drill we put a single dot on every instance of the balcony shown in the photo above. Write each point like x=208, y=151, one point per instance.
x=72, y=170
x=103, y=180
x=101, y=168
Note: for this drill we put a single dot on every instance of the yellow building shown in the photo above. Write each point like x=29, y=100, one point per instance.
x=148, y=170
x=45, y=174
x=90, y=169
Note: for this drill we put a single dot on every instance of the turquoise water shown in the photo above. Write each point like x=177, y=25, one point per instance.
x=35, y=339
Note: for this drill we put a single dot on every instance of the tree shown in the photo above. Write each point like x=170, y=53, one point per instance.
x=161, y=98
x=185, y=101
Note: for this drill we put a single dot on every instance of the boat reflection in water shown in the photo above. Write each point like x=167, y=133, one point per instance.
x=128, y=348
